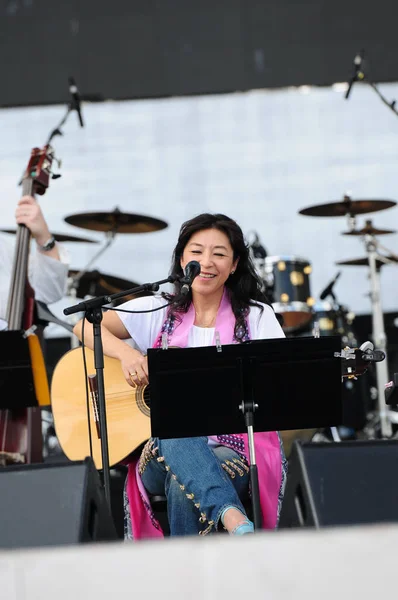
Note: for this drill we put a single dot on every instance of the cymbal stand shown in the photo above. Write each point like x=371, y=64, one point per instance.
x=74, y=281
x=110, y=235
x=379, y=335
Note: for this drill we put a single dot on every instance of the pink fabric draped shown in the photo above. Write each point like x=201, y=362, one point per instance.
x=267, y=445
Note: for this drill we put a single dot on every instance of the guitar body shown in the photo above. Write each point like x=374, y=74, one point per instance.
x=127, y=411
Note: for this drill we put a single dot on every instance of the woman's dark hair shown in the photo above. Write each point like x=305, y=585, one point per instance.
x=244, y=286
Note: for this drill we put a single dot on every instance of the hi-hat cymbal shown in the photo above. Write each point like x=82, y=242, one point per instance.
x=116, y=222
x=346, y=207
x=94, y=283
x=369, y=230
x=364, y=262
x=60, y=237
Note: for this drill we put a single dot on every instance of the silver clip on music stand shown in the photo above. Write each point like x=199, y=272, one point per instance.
x=288, y=383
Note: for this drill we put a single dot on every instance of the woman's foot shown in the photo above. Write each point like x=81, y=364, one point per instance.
x=235, y=522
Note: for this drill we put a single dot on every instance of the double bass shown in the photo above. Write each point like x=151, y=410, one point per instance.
x=20, y=429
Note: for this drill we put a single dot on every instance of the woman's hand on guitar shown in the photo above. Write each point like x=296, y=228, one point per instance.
x=135, y=367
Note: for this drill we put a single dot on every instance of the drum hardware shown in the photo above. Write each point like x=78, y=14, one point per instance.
x=110, y=223
x=347, y=207
x=364, y=261
x=116, y=222
x=368, y=229
x=95, y=283
x=60, y=237
x=374, y=260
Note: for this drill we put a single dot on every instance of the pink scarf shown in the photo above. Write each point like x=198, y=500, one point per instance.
x=267, y=444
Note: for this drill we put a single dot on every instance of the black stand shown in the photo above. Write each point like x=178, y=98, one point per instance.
x=292, y=383
x=248, y=409
x=93, y=313
x=94, y=316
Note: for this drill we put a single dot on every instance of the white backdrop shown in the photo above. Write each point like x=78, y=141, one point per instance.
x=259, y=157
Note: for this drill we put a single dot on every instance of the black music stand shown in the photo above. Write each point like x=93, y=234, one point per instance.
x=16, y=377
x=289, y=383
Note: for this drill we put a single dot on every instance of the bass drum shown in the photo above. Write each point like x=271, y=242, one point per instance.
x=332, y=319
x=287, y=285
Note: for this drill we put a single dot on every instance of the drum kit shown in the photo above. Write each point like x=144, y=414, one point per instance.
x=286, y=279
x=89, y=283
x=287, y=285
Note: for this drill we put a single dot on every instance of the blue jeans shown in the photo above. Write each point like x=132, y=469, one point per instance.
x=199, y=481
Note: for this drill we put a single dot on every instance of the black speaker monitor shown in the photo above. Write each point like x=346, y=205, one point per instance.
x=347, y=483
x=53, y=504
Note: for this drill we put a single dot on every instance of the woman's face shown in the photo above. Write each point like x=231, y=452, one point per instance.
x=213, y=251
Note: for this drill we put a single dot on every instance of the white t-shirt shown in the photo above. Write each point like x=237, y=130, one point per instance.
x=47, y=276
x=145, y=327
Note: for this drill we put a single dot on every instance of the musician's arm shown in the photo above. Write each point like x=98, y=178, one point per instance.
x=113, y=333
x=48, y=276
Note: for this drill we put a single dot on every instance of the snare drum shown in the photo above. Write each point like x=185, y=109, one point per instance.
x=288, y=288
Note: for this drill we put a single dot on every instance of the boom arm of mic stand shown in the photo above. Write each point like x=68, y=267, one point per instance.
x=100, y=301
x=390, y=105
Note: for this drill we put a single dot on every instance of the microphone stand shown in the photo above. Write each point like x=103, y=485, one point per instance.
x=93, y=313
x=390, y=105
x=359, y=75
x=71, y=106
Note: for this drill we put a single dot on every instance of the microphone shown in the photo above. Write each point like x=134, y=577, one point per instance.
x=358, y=74
x=191, y=271
x=328, y=289
x=76, y=103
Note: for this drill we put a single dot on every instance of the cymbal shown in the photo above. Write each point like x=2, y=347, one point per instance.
x=369, y=230
x=364, y=262
x=94, y=283
x=346, y=207
x=60, y=237
x=116, y=222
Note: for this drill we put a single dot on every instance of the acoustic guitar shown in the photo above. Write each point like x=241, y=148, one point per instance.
x=127, y=409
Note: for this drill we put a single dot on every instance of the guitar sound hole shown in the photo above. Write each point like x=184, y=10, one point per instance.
x=147, y=397
x=143, y=400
